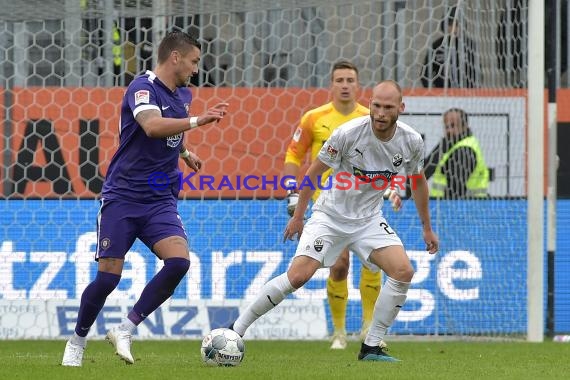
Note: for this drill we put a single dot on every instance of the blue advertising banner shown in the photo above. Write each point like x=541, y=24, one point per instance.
x=475, y=285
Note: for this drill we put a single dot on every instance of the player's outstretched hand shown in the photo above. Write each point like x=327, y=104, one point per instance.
x=395, y=200
x=294, y=227
x=432, y=241
x=214, y=114
x=193, y=161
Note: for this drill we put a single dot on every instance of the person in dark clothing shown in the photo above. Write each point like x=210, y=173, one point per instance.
x=451, y=61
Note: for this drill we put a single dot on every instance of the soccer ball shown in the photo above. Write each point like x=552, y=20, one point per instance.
x=222, y=347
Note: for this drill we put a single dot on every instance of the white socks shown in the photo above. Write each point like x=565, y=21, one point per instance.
x=127, y=325
x=388, y=305
x=272, y=293
x=78, y=340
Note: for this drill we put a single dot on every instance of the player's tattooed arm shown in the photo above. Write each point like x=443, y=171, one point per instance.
x=156, y=126
x=145, y=116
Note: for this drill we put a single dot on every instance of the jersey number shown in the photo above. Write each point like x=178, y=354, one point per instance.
x=387, y=228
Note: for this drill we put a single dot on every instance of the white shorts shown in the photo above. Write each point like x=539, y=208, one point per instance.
x=324, y=239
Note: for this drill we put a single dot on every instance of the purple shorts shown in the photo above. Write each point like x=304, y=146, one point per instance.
x=120, y=222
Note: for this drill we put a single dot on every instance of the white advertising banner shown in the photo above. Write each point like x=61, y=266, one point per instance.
x=176, y=319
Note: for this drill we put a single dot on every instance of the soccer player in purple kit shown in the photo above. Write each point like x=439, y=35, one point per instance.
x=154, y=117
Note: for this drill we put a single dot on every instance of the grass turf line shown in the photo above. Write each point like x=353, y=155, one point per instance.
x=292, y=360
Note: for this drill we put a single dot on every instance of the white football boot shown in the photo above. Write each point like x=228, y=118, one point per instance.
x=73, y=355
x=338, y=340
x=121, y=340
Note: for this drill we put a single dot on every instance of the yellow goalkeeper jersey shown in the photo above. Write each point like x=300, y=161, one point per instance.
x=315, y=128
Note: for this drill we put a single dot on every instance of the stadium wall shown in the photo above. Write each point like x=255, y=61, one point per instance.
x=77, y=129
x=84, y=123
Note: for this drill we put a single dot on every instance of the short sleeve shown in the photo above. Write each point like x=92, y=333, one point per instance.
x=301, y=141
x=331, y=152
x=141, y=96
x=416, y=162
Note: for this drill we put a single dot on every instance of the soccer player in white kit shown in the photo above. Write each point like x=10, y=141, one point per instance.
x=364, y=153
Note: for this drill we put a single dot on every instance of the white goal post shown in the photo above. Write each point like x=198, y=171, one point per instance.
x=535, y=210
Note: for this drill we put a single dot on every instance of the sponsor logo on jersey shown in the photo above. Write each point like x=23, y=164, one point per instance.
x=397, y=159
x=187, y=108
x=318, y=244
x=173, y=141
x=370, y=175
x=142, y=96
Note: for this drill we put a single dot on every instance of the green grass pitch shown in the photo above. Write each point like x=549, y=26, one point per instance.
x=313, y=360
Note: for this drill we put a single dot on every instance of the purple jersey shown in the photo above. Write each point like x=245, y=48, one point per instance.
x=145, y=169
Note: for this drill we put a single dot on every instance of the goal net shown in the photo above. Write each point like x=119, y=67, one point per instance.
x=63, y=69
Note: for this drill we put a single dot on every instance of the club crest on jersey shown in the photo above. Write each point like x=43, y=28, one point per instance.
x=173, y=141
x=332, y=152
x=142, y=96
x=318, y=244
x=397, y=159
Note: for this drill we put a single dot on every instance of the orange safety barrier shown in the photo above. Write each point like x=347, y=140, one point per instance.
x=76, y=131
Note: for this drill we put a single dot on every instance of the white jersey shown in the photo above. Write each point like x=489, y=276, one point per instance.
x=364, y=166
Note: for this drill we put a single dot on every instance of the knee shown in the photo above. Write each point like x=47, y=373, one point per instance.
x=404, y=273
x=297, y=278
x=339, y=271
x=178, y=265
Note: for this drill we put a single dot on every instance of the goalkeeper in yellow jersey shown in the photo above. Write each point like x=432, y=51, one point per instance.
x=315, y=128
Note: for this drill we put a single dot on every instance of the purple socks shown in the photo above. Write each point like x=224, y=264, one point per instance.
x=160, y=288
x=93, y=299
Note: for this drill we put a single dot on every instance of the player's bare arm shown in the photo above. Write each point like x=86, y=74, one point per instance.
x=156, y=126
x=296, y=223
x=420, y=192
x=191, y=159
x=290, y=170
